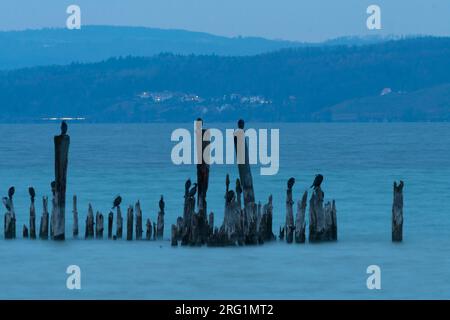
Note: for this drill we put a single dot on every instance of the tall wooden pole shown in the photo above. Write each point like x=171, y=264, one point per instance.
x=397, y=213
x=245, y=174
x=62, y=142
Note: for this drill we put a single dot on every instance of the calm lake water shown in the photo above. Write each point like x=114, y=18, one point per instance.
x=359, y=162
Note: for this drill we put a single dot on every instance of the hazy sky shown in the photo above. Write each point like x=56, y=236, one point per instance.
x=311, y=20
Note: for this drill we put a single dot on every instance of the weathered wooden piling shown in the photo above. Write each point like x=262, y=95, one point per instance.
x=43, y=228
x=32, y=193
x=99, y=225
x=25, y=232
x=110, y=224
x=89, y=234
x=203, y=140
x=300, y=222
x=322, y=220
x=75, y=217
x=119, y=223
x=289, y=225
x=130, y=223
x=10, y=216
x=148, y=232
x=397, y=212
x=174, y=237
x=242, y=155
x=138, y=221
x=62, y=142
x=160, y=221
x=265, y=224
x=53, y=212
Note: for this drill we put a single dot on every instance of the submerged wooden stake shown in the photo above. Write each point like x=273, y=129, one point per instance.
x=160, y=221
x=110, y=224
x=25, y=232
x=322, y=220
x=62, y=142
x=130, y=223
x=32, y=214
x=397, y=213
x=300, y=224
x=289, y=226
x=99, y=225
x=89, y=234
x=148, y=232
x=138, y=221
x=10, y=216
x=242, y=155
x=119, y=223
x=43, y=229
x=75, y=217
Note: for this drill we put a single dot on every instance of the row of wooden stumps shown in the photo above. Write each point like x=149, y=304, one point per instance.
x=94, y=226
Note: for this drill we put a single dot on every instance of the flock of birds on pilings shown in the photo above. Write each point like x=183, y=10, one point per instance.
x=245, y=222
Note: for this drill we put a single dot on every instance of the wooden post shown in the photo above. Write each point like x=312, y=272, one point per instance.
x=160, y=221
x=202, y=165
x=32, y=213
x=265, y=225
x=188, y=214
x=110, y=224
x=43, y=229
x=53, y=212
x=62, y=142
x=75, y=217
x=10, y=218
x=245, y=174
x=289, y=226
x=130, y=223
x=322, y=220
x=138, y=221
x=89, y=234
x=99, y=225
x=300, y=224
x=25, y=232
x=211, y=222
x=119, y=226
x=174, y=238
x=148, y=233
x=397, y=212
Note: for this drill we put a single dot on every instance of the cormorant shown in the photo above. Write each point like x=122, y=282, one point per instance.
x=63, y=127
x=193, y=191
x=290, y=183
x=229, y=196
x=241, y=124
x=317, y=181
x=117, y=202
x=187, y=185
x=32, y=193
x=238, y=186
x=161, y=204
x=11, y=192
x=6, y=203
x=53, y=186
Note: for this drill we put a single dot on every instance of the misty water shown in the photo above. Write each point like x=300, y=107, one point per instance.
x=359, y=162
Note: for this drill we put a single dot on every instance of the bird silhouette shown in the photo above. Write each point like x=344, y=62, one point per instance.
x=117, y=201
x=238, y=186
x=187, y=185
x=161, y=204
x=193, y=191
x=241, y=124
x=63, y=128
x=230, y=196
x=6, y=203
x=317, y=181
x=32, y=193
x=290, y=183
x=11, y=192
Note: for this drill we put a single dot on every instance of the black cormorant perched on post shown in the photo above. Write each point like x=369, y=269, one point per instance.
x=117, y=202
x=11, y=192
x=238, y=186
x=187, y=185
x=6, y=203
x=161, y=203
x=193, y=191
x=290, y=183
x=230, y=196
x=241, y=124
x=32, y=193
x=317, y=181
x=63, y=127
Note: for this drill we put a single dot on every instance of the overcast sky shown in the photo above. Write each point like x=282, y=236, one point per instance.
x=312, y=20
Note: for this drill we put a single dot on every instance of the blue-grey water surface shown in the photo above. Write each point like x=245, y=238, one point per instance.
x=359, y=162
